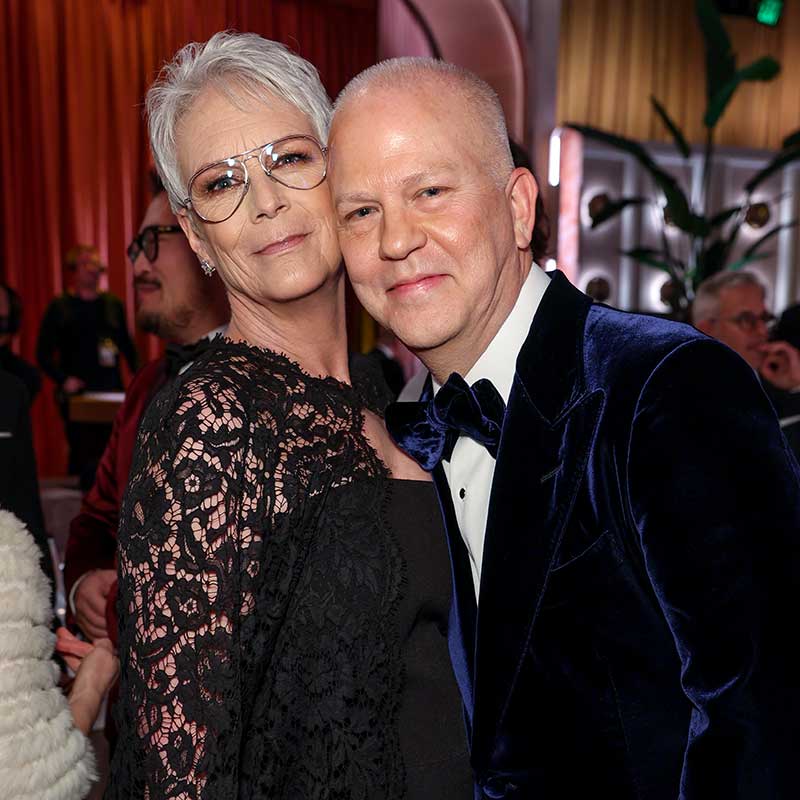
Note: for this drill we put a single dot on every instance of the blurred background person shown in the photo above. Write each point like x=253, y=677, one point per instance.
x=19, y=485
x=44, y=749
x=731, y=307
x=10, y=321
x=81, y=338
x=178, y=303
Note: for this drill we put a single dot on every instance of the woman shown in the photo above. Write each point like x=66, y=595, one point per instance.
x=284, y=585
x=44, y=749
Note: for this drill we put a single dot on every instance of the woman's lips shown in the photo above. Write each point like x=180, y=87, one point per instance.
x=282, y=245
x=421, y=284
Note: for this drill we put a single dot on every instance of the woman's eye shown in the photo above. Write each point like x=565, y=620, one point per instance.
x=288, y=159
x=221, y=184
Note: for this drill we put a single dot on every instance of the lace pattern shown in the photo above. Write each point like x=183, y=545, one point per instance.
x=257, y=580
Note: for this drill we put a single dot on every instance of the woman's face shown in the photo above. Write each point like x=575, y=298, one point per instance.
x=280, y=244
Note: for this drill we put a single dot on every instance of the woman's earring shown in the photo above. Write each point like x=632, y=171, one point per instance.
x=207, y=267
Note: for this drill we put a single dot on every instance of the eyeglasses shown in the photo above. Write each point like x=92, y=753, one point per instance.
x=217, y=190
x=146, y=241
x=748, y=321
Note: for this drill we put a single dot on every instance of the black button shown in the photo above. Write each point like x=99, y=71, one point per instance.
x=462, y=492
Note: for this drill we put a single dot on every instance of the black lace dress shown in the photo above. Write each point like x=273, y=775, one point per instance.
x=282, y=603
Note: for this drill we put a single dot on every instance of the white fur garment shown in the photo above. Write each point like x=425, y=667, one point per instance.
x=42, y=754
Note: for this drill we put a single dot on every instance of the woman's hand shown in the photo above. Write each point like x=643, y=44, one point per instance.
x=96, y=667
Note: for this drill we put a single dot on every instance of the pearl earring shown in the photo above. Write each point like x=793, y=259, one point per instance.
x=207, y=267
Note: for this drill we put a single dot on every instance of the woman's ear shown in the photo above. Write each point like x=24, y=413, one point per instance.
x=521, y=192
x=193, y=235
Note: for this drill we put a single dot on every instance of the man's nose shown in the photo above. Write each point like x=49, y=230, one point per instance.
x=401, y=235
x=140, y=265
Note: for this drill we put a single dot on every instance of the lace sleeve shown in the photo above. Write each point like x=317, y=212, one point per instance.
x=185, y=544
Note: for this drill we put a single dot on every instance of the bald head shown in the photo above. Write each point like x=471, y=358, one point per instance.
x=434, y=221
x=468, y=102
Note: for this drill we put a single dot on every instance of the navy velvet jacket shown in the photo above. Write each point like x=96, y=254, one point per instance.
x=638, y=598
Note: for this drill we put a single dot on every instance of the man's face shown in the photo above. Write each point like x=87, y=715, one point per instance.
x=169, y=289
x=425, y=228
x=739, y=322
x=87, y=272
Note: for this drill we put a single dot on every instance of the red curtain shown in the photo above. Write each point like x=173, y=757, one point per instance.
x=73, y=150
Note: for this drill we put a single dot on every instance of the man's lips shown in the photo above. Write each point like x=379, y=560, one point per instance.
x=282, y=245
x=146, y=287
x=416, y=284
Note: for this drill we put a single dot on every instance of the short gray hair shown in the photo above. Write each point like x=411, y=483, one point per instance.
x=241, y=65
x=408, y=72
x=706, y=299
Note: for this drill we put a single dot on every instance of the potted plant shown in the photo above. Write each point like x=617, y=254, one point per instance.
x=711, y=232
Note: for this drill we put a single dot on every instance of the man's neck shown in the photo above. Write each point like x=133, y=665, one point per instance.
x=87, y=294
x=462, y=352
x=198, y=329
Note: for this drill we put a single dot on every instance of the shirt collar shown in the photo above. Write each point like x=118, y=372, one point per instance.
x=498, y=361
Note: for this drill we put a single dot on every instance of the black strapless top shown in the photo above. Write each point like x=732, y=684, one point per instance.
x=283, y=602
x=432, y=733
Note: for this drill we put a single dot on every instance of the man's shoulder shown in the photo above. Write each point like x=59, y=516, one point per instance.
x=614, y=335
x=144, y=380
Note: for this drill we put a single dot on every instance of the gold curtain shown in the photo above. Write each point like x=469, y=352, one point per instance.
x=615, y=53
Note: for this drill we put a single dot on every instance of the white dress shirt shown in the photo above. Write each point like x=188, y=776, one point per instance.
x=471, y=468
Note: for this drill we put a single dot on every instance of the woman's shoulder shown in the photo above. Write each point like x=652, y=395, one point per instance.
x=225, y=387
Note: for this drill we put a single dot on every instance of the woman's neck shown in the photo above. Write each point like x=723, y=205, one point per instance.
x=311, y=330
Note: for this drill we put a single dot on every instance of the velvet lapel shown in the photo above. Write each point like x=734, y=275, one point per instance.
x=461, y=627
x=547, y=433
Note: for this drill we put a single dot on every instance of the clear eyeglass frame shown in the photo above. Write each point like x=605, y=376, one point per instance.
x=260, y=153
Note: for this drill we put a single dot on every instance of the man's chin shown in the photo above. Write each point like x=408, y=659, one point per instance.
x=149, y=322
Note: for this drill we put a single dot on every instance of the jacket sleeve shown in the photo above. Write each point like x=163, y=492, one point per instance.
x=182, y=553
x=92, y=541
x=714, y=496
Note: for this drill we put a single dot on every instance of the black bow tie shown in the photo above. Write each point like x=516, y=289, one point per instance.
x=428, y=430
x=178, y=355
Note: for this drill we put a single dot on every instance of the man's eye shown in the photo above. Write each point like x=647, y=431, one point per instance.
x=359, y=213
x=431, y=191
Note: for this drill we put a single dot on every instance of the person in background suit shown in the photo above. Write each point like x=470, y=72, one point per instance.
x=178, y=303
x=623, y=537
x=81, y=336
x=731, y=307
x=19, y=485
x=10, y=321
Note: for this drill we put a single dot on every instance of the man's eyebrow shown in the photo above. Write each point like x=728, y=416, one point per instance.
x=414, y=179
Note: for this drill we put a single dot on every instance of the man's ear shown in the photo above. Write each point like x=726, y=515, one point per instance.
x=196, y=242
x=521, y=192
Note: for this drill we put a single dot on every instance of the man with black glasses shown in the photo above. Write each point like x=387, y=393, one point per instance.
x=178, y=303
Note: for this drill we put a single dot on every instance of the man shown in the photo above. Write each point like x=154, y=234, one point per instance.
x=82, y=334
x=10, y=320
x=178, y=303
x=639, y=567
x=731, y=307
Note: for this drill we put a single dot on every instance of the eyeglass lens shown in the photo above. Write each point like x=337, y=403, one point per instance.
x=145, y=242
x=296, y=162
x=749, y=321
